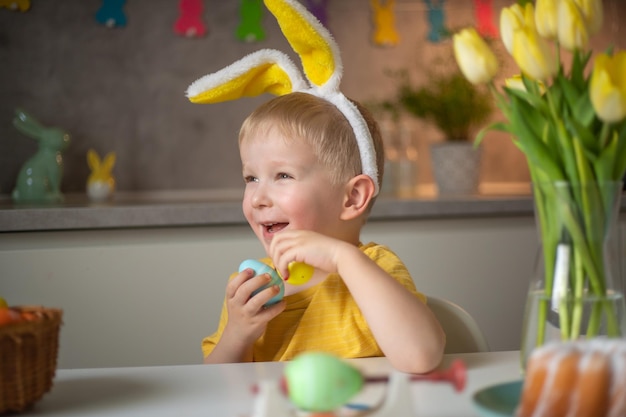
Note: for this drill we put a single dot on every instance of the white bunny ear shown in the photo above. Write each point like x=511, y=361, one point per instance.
x=322, y=65
x=273, y=72
x=316, y=47
x=263, y=71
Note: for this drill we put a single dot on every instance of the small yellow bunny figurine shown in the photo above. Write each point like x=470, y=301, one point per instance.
x=100, y=183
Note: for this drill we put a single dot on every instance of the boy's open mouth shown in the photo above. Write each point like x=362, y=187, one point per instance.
x=275, y=227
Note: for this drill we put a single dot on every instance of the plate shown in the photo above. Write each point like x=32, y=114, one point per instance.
x=499, y=400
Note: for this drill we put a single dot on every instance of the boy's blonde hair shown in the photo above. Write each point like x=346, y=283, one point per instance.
x=319, y=122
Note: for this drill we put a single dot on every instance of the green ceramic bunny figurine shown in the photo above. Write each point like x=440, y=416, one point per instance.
x=39, y=179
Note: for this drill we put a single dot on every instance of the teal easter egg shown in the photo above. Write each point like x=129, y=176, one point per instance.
x=320, y=382
x=260, y=268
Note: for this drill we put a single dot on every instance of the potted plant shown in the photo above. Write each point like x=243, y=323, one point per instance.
x=455, y=106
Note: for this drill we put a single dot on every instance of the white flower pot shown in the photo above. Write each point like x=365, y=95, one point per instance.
x=456, y=167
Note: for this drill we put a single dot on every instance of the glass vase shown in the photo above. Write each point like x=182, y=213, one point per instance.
x=576, y=290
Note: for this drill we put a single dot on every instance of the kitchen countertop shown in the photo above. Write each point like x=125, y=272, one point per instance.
x=223, y=207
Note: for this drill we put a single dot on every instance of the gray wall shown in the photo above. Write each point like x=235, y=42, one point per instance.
x=122, y=89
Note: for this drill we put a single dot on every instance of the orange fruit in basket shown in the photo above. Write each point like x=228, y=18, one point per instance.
x=5, y=316
x=9, y=315
x=29, y=315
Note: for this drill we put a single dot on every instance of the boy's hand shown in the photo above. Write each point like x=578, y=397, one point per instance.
x=247, y=316
x=319, y=251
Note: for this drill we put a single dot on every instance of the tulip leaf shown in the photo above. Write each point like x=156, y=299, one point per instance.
x=521, y=109
x=567, y=152
x=530, y=143
x=588, y=197
x=499, y=126
x=582, y=163
x=533, y=99
x=604, y=168
x=579, y=62
x=531, y=85
x=556, y=96
x=583, y=110
x=603, y=165
x=536, y=153
x=549, y=135
x=580, y=132
x=620, y=154
x=570, y=91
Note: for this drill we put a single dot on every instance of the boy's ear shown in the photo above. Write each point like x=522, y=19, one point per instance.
x=359, y=192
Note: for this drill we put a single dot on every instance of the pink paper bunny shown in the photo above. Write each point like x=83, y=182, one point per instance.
x=189, y=22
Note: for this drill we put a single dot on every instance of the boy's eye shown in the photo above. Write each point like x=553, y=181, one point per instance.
x=250, y=178
x=283, y=176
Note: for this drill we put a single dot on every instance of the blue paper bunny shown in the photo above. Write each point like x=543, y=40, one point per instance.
x=111, y=13
x=436, y=19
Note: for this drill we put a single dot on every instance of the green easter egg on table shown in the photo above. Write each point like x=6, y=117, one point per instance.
x=320, y=382
x=299, y=273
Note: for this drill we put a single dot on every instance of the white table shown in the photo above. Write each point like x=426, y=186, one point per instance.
x=225, y=390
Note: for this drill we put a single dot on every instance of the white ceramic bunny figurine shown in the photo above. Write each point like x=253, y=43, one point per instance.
x=39, y=179
x=100, y=183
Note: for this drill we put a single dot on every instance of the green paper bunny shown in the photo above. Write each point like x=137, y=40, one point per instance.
x=250, y=27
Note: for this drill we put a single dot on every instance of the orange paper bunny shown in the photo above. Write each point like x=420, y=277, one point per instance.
x=385, y=33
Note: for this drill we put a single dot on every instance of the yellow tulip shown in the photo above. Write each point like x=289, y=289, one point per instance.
x=515, y=82
x=476, y=60
x=608, y=87
x=533, y=55
x=547, y=18
x=592, y=13
x=511, y=19
x=572, y=33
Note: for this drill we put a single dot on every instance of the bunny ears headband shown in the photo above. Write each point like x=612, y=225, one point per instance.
x=272, y=71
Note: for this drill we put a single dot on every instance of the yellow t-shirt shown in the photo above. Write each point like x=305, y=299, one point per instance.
x=324, y=317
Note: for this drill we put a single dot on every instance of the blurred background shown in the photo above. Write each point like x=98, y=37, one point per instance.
x=122, y=89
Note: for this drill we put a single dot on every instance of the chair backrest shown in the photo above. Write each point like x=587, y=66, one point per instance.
x=463, y=334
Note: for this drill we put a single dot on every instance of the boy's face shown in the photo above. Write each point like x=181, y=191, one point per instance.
x=287, y=188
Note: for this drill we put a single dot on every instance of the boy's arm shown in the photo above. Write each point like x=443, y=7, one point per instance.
x=229, y=350
x=404, y=327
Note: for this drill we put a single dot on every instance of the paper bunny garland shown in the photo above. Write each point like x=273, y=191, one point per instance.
x=385, y=33
x=272, y=71
x=189, y=22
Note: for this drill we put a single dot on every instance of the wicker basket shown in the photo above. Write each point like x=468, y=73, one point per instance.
x=28, y=357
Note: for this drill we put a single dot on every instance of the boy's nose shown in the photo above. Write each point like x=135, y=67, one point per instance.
x=261, y=197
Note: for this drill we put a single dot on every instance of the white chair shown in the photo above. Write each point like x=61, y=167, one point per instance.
x=463, y=334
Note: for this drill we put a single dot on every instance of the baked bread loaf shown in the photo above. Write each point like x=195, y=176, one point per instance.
x=576, y=379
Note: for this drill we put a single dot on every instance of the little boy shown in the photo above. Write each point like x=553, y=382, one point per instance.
x=312, y=163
